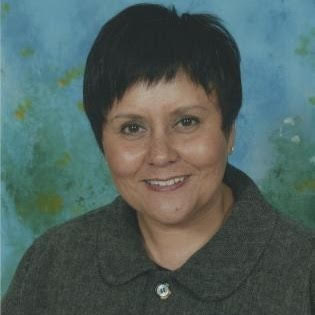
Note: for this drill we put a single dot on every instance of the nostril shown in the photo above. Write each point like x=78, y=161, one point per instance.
x=162, y=153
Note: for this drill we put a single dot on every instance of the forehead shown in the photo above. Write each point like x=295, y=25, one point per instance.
x=165, y=94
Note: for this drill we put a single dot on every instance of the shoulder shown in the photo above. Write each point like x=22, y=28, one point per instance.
x=81, y=229
x=72, y=242
x=294, y=246
x=58, y=256
x=262, y=217
x=74, y=238
x=290, y=249
x=291, y=233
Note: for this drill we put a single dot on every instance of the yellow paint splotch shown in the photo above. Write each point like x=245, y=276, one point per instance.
x=22, y=109
x=311, y=100
x=303, y=48
x=64, y=160
x=80, y=106
x=69, y=76
x=306, y=44
x=305, y=185
x=27, y=52
x=49, y=202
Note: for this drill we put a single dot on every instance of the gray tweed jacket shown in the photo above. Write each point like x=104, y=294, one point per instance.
x=258, y=263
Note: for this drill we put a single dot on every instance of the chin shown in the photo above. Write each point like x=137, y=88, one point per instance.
x=166, y=215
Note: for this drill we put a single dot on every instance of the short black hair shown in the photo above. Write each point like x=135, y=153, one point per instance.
x=148, y=43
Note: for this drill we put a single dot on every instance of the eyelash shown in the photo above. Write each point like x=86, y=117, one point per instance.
x=124, y=128
x=193, y=119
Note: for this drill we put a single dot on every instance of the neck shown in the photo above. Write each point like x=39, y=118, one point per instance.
x=170, y=246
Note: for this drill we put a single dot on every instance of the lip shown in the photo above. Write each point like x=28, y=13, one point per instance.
x=166, y=178
x=173, y=187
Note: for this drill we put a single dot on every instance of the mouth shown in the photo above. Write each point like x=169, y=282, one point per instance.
x=166, y=184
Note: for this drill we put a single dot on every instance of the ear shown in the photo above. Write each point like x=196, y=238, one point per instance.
x=231, y=139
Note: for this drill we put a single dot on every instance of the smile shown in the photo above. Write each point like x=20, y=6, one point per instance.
x=167, y=184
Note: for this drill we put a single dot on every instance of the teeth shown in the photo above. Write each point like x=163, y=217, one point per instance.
x=164, y=183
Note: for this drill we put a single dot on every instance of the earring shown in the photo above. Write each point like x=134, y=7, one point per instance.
x=232, y=150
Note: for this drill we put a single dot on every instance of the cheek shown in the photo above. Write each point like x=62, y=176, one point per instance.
x=206, y=151
x=123, y=160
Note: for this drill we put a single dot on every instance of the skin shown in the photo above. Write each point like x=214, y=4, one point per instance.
x=166, y=130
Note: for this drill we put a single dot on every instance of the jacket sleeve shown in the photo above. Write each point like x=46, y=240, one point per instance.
x=19, y=296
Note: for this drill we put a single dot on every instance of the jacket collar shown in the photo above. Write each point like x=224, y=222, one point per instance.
x=213, y=272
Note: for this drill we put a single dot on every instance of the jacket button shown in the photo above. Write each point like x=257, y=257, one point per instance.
x=163, y=291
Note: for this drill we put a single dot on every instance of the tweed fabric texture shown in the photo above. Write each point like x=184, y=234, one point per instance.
x=258, y=263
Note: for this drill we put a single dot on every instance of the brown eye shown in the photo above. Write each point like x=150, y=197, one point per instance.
x=188, y=121
x=131, y=129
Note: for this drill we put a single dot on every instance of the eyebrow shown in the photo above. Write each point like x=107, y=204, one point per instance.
x=184, y=109
x=178, y=111
x=127, y=115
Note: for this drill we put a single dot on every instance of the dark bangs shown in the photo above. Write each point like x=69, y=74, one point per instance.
x=149, y=43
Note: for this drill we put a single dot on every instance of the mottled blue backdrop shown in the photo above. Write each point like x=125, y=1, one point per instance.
x=51, y=167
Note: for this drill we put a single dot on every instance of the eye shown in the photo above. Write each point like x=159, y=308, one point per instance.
x=187, y=122
x=131, y=128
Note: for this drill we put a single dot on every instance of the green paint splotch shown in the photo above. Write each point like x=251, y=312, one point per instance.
x=63, y=160
x=80, y=106
x=306, y=46
x=22, y=109
x=27, y=52
x=5, y=9
x=289, y=184
x=70, y=75
x=311, y=100
x=305, y=185
x=303, y=48
x=43, y=177
x=36, y=186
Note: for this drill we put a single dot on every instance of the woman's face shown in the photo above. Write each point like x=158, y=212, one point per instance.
x=166, y=150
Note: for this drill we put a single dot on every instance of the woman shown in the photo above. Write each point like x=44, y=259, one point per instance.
x=190, y=234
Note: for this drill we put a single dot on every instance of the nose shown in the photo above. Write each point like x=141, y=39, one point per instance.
x=162, y=151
